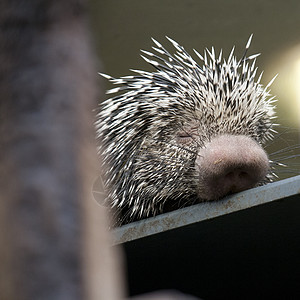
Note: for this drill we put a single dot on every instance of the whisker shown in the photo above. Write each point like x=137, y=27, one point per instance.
x=287, y=157
x=289, y=148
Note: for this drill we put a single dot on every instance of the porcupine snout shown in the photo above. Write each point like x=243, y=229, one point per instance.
x=229, y=164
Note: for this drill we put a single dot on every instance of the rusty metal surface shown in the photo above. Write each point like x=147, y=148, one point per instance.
x=208, y=210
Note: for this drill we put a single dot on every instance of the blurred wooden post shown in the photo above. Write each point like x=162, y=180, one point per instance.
x=53, y=238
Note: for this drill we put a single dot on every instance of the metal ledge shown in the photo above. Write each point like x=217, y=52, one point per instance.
x=208, y=210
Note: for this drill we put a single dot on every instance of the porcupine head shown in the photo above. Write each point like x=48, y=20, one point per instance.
x=190, y=131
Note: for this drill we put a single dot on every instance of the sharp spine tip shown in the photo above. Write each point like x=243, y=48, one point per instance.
x=249, y=41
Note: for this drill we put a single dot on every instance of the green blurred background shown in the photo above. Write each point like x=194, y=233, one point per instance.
x=122, y=27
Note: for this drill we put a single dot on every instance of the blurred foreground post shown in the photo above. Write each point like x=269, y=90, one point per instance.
x=53, y=240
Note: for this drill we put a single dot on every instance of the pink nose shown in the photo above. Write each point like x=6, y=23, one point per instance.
x=230, y=164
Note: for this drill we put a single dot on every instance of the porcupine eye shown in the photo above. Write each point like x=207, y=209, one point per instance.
x=186, y=135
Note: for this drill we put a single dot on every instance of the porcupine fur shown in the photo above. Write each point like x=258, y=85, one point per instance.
x=151, y=132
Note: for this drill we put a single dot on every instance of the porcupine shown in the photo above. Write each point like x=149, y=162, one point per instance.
x=185, y=133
